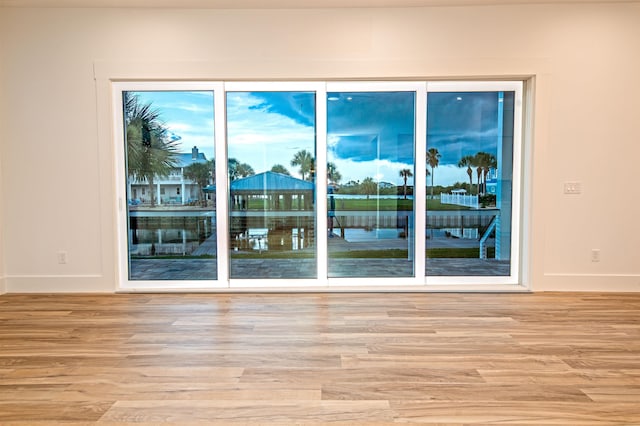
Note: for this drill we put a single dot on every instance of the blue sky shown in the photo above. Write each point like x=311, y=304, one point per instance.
x=369, y=134
x=188, y=115
x=268, y=128
x=460, y=124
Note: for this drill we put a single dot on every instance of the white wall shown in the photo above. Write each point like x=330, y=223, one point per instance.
x=56, y=127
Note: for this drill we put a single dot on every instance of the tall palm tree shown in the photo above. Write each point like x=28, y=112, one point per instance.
x=490, y=163
x=467, y=161
x=151, y=152
x=332, y=173
x=433, y=159
x=478, y=162
x=482, y=161
x=304, y=159
x=405, y=173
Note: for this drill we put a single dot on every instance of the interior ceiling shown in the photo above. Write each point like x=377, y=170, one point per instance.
x=278, y=4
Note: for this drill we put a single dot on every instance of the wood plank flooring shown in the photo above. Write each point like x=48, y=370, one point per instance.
x=371, y=359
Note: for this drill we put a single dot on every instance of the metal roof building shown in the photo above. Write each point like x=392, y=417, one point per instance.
x=268, y=182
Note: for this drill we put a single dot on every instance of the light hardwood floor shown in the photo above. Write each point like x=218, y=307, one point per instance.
x=316, y=358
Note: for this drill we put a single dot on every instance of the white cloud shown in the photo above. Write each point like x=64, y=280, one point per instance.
x=177, y=128
x=262, y=138
x=379, y=170
x=448, y=175
x=193, y=108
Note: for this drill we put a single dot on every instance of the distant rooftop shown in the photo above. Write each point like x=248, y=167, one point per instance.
x=184, y=159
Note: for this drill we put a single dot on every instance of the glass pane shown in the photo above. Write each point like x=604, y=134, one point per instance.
x=370, y=155
x=169, y=153
x=271, y=164
x=469, y=183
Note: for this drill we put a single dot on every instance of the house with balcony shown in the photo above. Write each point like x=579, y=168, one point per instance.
x=173, y=189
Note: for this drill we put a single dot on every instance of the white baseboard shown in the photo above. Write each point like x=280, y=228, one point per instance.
x=547, y=282
x=619, y=283
x=58, y=284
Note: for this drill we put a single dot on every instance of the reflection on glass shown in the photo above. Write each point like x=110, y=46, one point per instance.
x=271, y=165
x=169, y=155
x=469, y=177
x=370, y=156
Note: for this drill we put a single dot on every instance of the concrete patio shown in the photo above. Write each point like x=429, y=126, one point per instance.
x=205, y=269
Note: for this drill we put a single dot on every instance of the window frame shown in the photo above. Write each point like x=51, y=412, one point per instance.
x=419, y=282
x=514, y=277
x=121, y=178
x=419, y=88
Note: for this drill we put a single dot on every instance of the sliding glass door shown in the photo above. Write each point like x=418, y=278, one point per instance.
x=169, y=155
x=472, y=173
x=370, y=208
x=276, y=184
x=271, y=164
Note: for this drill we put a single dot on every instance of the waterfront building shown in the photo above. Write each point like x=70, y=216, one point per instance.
x=173, y=189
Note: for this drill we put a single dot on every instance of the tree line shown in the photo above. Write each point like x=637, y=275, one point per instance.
x=483, y=162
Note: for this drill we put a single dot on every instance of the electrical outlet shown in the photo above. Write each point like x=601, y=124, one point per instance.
x=62, y=257
x=572, y=187
x=595, y=255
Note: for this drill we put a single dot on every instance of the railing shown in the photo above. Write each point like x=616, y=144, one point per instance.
x=485, y=236
x=171, y=200
x=460, y=200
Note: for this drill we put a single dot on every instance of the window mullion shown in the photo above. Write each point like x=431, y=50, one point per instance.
x=322, y=251
x=420, y=184
x=222, y=185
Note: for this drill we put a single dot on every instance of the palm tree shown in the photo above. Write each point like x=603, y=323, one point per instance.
x=332, y=173
x=368, y=186
x=490, y=163
x=304, y=159
x=483, y=162
x=150, y=151
x=467, y=161
x=405, y=173
x=477, y=161
x=433, y=159
x=279, y=168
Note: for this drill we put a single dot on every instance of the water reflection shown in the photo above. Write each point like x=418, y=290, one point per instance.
x=262, y=239
x=176, y=235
